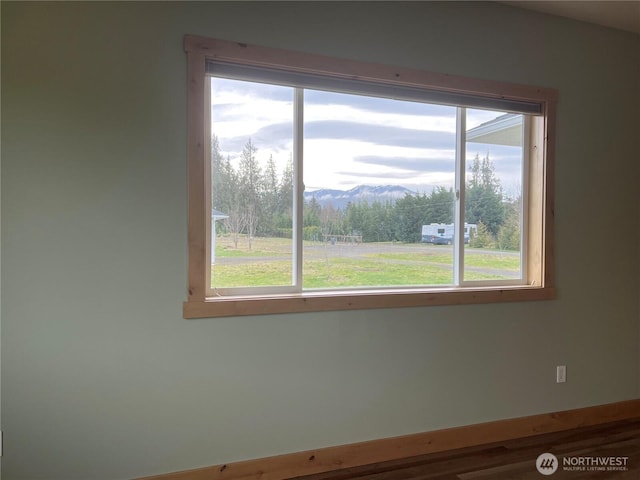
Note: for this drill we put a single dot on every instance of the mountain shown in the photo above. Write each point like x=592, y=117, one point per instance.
x=362, y=193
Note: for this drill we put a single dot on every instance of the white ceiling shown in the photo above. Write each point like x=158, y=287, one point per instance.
x=623, y=15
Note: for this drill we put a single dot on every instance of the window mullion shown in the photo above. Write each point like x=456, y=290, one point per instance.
x=458, y=243
x=298, y=185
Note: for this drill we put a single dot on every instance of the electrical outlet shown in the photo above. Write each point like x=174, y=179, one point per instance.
x=561, y=373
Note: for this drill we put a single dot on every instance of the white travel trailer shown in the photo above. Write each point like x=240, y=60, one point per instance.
x=442, y=233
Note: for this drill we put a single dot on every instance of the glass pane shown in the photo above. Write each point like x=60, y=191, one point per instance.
x=251, y=184
x=493, y=201
x=379, y=177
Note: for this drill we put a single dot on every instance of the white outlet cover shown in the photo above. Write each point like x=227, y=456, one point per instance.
x=561, y=374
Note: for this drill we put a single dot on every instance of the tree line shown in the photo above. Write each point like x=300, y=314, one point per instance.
x=258, y=202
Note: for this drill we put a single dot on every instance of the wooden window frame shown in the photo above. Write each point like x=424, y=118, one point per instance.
x=540, y=252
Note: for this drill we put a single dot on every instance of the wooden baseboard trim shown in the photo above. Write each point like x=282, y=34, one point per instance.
x=286, y=466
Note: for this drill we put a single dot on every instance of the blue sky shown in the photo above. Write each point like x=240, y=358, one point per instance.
x=352, y=140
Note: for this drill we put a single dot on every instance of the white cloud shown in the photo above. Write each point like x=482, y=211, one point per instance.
x=326, y=161
x=243, y=109
x=244, y=115
x=347, y=113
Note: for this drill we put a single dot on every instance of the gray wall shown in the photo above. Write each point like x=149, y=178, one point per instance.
x=103, y=379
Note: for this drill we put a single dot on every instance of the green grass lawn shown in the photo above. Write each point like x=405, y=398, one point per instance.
x=350, y=272
x=490, y=259
x=268, y=263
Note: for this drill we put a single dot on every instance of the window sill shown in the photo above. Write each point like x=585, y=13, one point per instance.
x=356, y=300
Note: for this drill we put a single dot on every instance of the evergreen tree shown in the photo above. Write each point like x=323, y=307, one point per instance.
x=311, y=213
x=410, y=214
x=482, y=238
x=222, y=179
x=440, y=205
x=354, y=219
x=380, y=226
x=284, y=218
x=508, y=237
x=484, y=198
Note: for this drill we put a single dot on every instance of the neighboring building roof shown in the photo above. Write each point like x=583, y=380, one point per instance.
x=503, y=130
x=217, y=215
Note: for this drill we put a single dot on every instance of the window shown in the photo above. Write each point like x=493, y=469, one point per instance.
x=318, y=183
